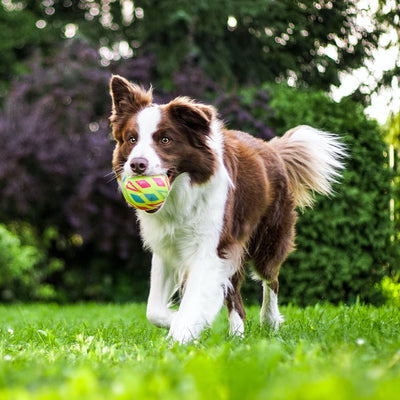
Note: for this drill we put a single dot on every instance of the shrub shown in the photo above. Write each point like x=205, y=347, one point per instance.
x=343, y=244
x=25, y=265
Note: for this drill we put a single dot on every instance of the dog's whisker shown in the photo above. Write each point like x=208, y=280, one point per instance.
x=111, y=179
x=112, y=175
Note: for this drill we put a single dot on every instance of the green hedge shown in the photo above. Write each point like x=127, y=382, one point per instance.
x=344, y=244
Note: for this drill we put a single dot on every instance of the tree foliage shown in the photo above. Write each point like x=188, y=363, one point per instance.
x=14, y=48
x=234, y=42
x=388, y=16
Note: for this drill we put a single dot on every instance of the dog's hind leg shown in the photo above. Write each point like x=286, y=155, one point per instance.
x=270, y=247
x=269, y=313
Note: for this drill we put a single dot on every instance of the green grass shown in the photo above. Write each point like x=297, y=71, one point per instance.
x=97, y=352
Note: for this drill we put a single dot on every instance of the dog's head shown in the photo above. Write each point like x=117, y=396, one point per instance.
x=160, y=139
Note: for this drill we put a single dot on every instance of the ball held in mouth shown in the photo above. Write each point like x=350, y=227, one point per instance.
x=146, y=193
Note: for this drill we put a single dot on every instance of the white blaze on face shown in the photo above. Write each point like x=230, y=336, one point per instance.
x=147, y=123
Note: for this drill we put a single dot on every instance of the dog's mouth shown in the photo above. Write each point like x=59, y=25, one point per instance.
x=153, y=211
x=171, y=175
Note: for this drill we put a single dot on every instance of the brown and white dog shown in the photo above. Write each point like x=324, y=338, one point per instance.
x=233, y=197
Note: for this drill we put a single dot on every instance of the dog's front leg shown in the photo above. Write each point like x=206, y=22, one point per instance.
x=202, y=300
x=162, y=287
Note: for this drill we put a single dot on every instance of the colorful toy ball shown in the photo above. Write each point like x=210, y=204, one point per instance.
x=146, y=193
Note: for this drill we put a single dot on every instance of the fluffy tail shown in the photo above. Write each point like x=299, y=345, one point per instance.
x=313, y=161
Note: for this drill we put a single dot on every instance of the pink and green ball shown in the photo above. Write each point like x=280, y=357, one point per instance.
x=146, y=193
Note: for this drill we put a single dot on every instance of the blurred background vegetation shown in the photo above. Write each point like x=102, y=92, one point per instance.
x=267, y=65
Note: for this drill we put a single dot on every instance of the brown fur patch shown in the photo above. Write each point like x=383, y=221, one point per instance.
x=187, y=126
x=127, y=100
x=123, y=131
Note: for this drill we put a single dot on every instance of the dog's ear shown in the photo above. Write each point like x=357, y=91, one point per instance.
x=127, y=97
x=191, y=115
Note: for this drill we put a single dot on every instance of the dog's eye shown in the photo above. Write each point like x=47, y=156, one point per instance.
x=131, y=140
x=165, y=140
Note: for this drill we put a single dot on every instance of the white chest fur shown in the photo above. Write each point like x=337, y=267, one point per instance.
x=189, y=223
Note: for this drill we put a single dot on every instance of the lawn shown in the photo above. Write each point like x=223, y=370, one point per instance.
x=92, y=351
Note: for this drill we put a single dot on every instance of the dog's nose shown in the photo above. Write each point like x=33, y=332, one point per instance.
x=139, y=165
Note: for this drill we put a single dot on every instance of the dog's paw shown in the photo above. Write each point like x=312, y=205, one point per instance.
x=275, y=323
x=274, y=320
x=182, y=332
x=236, y=325
x=182, y=337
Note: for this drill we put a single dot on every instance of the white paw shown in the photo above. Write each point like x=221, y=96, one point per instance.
x=274, y=321
x=269, y=311
x=183, y=332
x=236, y=325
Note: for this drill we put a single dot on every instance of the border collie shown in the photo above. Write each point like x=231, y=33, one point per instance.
x=232, y=198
